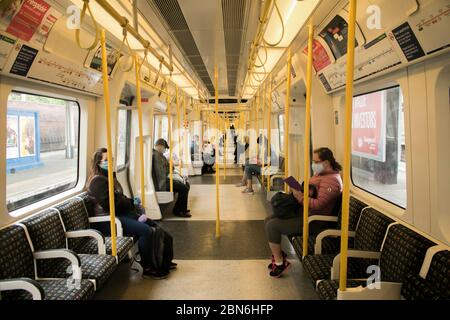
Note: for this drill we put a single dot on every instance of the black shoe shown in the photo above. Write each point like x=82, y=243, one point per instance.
x=183, y=214
x=277, y=271
x=173, y=265
x=157, y=275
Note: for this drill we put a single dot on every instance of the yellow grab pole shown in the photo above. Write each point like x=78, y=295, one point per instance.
x=216, y=84
x=263, y=147
x=141, y=142
x=269, y=111
x=112, y=211
x=257, y=120
x=307, y=142
x=186, y=151
x=348, y=140
x=225, y=138
x=169, y=126
x=179, y=127
x=286, y=119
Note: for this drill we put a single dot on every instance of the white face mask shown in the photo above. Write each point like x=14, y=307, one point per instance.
x=318, y=168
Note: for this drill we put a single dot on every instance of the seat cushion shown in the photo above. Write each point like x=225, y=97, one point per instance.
x=319, y=267
x=371, y=230
x=417, y=288
x=439, y=274
x=93, y=267
x=327, y=289
x=124, y=244
x=297, y=244
x=56, y=290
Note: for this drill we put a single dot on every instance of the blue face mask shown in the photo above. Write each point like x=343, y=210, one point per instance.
x=103, y=165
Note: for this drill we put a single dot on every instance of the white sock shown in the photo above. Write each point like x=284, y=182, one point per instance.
x=279, y=263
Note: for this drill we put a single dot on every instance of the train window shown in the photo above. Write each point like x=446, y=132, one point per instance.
x=281, y=131
x=41, y=148
x=378, y=144
x=122, y=139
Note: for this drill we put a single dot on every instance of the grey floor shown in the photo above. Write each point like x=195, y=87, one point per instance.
x=231, y=267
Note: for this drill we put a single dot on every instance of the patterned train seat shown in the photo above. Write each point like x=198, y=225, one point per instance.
x=17, y=264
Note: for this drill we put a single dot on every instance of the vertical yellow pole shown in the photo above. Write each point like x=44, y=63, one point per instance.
x=257, y=119
x=263, y=146
x=141, y=142
x=225, y=138
x=307, y=142
x=112, y=211
x=169, y=125
x=286, y=118
x=269, y=118
x=185, y=148
x=216, y=84
x=348, y=140
x=179, y=127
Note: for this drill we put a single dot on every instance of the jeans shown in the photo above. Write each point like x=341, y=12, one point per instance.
x=141, y=232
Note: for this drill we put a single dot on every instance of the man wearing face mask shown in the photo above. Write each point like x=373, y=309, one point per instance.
x=328, y=184
x=161, y=179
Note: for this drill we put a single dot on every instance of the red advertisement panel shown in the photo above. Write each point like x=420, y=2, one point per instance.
x=369, y=127
x=28, y=18
x=321, y=58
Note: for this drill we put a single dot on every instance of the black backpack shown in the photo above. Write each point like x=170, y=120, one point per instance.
x=161, y=247
x=285, y=205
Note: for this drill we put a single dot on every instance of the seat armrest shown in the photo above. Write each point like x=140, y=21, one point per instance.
x=352, y=254
x=317, y=217
x=27, y=284
x=328, y=233
x=383, y=291
x=62, y=253
x=107, y=219
x=91, y=233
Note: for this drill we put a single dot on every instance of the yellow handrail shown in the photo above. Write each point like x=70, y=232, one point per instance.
x=112, y=211
x=77, y=31
x=286, y=118
x=225, y=138
x=130, y=51
x=263, y=147
x=179, y=127
x=169, y=126
x=141, y=141
x=216, y=84
x=348, y=141
x=307, y=142
x=269, y=150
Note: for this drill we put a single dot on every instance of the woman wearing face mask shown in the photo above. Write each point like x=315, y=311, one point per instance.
x=328, y=183
x=135, y=225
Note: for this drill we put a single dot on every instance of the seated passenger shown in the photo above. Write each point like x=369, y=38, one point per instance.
x=328, y=182
x=161, y=179
x=254, y=169
x=135, y=224
x=209, y=154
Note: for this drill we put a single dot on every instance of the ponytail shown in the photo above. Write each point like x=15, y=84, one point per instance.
x=326, y=154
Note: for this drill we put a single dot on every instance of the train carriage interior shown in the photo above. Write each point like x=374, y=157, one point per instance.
x=159, y=149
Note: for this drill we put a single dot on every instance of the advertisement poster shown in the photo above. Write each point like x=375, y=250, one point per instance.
x=322, y=57
x=46, y=26
x=407, y=41
x=7, y=14
x=23, y=61
x=335, y=35
x=6, y=46
x=12, y=137
x=27, y=136
x=94, y=59
x=368, y=129
x=28, y=18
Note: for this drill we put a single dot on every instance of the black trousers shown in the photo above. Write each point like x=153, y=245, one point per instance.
x=183, y=193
